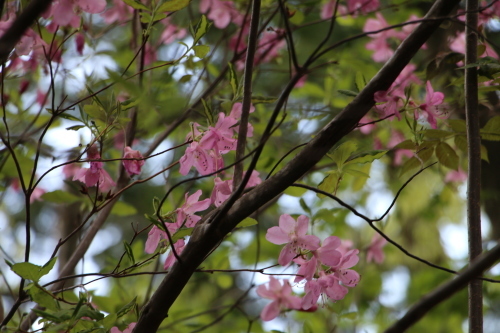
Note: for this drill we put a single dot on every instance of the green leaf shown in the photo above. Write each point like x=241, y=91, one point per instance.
x=94, y=111
x=136, y=5
x=124, y=310
x=348, y=92
x=173, y=5
x=263, y=99
x=33, y=272
x=201, y=50
x=201, y=28
x=59, y=196
x=304, y=206
x=75, y=128
x=129, y=252
x=491, y=131
x=185, y=78
x=248, y=222
x=407, y=144
x=329, y=184
x=88, y=312
x=366, y=157
x=342, y=153
x=447, y=156
x=50, y=316
x=484, y=154
x=409, y=165
x=356, y=173
x=48, y=266
x=436, y=134
x=208, y=112
x=122, y=208
x=233, y=80
x=295, y=191
x=457, y=125
x=109, y=321
x=461, y=142
x=42, y=297
x=181, y=233
x=360, y=81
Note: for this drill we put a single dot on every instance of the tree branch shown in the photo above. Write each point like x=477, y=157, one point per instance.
x=247, y=92
x=9, y=40
x=446, y=290
x=206, y=236
x=474, y=162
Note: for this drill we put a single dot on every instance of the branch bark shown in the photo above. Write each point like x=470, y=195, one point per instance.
x=474, y=162
x=206, y=236
x=12, y=36
x=446, y=290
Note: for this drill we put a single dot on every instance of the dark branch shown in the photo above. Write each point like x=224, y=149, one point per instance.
x=206, y=236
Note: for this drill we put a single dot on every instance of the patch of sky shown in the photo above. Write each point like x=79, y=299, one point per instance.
x=395, y=284
x=105, y=238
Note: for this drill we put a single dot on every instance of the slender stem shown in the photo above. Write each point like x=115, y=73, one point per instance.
x=446, y=290
x=247, y=91
x=474, y=161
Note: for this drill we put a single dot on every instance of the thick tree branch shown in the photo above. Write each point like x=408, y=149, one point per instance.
x=9, y=40
x=206, y=236
x=446, y=290
x=474, y=162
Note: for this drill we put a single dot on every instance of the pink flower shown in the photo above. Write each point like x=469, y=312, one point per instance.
x=404, y=79
x=391, y=104
x=117, y=12
x=221, y=12
x=195, y=156
x=293, y=233
x=362, y=6
x=133, y=167
x=456, y=176
x=171, y=33
x=328, y=255
x=375, y=252
x=379, y=44
x=223, y=189
x=281, y=296
x=347, y=276
x=430, y=107
x=396, y=138
x=96, y=175
x=458, y=45
x=156, y=234
x=190, y=206
x=236, y=114
x=220, y=137
x=154, y=237
x=326, y=284
x=171, y=259
x=129, y=329
x=364, y=125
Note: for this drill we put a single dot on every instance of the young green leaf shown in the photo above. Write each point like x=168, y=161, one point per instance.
x=173, y=5
x=447, y=156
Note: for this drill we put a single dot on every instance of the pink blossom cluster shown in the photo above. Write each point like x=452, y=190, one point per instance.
x=97, y=176
x=381, y=41
x=391, y=102
x=184, y=216
x=207, y=147
x=325, y=266
x=354, y=7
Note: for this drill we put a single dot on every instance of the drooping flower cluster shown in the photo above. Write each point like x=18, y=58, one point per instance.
x=184, y=217
x=324, y=266
x=95, y=175
x=206, y=150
